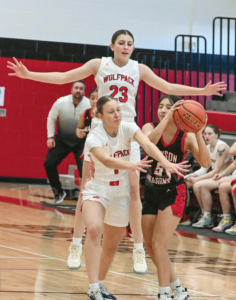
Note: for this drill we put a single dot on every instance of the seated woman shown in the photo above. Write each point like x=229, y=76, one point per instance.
x=165, y=198
x=224, y=186
x=106, y=196
x=202, y=181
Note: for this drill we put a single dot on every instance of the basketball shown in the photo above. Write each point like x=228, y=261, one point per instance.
x=190, y=117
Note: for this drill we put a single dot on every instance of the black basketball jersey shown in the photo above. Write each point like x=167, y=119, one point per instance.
x=87, y=119
x=174, y=152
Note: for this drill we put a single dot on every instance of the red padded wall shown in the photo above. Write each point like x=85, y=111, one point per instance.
x=23, y=133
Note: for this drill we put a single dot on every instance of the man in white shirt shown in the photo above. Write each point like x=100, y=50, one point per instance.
x=67, y=111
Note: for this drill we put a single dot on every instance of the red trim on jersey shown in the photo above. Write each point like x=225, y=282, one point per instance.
x=182, y=142
x=152, y=125
x=172, y=142
x=90, y=113
x=84, y=115
x=114, y=183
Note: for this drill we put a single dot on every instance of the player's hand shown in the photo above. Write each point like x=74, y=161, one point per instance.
x=200, y=131
x=217, y=177
x=174, y=107
x=189, y=176
x=81, y=132
x=140, y=165
x=179, y=169
x=214, y=89
x=51, y=143
x=19, y=69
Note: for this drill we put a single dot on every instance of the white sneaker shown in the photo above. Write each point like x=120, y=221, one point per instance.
x=74, y=260
x=181, y=296
x=95, y=295
x=164, y=297
x=140, y=265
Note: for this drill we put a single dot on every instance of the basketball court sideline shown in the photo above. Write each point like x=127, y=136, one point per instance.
x=34, y=249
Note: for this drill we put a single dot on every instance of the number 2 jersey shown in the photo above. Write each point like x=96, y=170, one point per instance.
x=120, y=83
x=174, y=152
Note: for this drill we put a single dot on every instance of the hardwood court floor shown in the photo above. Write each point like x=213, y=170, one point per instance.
x=34, y=247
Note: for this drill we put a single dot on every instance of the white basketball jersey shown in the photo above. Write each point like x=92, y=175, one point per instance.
x=214, y=153
x=120, y=83
x=118, y=147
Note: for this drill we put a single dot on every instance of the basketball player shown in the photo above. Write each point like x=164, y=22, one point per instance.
x=106, y=194
x=202, y=180
x=118, y=77
x=165, y=198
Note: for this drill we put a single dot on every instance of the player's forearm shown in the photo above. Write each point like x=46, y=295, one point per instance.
x=116, y=163
x=155, y=153
x=229, y=169
x=51, y=77
x=157, y=132
x=204, y=157
x=181, y=90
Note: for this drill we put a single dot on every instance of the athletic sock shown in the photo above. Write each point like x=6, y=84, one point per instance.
x=94, y=286
x=207, y=214
x=101, y=284
x=77, y=241
x=227, y=217
x=138, y=246
x=176, y=285
x=164, y=290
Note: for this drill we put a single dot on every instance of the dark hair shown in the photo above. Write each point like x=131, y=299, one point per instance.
x=81, y=82
x=94, y=90
x=172, y=98
x=119, y=32
x=101, y=102
x=214, y=128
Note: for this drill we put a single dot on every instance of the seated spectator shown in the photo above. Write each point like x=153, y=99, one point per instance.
x=224, y=186
x=202, y=180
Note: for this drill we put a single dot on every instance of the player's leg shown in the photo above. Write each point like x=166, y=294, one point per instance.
x=148, y=224
x=224, y=192
x=111, y=239
x=206, y=186
x=135, y=215
x=54, y=157
x=75, y=250
x=164, y=229
x=78, y=150
x=93, y=214
x=232, y=230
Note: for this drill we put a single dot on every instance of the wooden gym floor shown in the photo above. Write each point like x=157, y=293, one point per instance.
x=34, y=247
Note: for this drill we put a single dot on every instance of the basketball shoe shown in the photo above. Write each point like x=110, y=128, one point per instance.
x=203, y=223
x=140, y=265
x=95, y=295
x=74, y=258
x=105, y=293
x=185, y=221
x=60, y=197
x=231, y=230
x=181, y=296
x=223, y=225
x=164, y=297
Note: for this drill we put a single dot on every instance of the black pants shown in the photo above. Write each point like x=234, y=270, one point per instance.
x=54, y=158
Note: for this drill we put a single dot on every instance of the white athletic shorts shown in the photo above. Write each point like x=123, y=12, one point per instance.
x=134, y=153
x=115, y=199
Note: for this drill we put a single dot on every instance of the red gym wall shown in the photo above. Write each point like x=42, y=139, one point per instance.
x=23, y=131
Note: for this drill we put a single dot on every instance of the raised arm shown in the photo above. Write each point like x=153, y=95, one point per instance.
x=154, y=152
x=89, y=68
x=196, y=144
x=154, y=134
x=147, y=75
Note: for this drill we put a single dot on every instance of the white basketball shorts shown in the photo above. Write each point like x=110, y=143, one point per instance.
x=115, y=197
